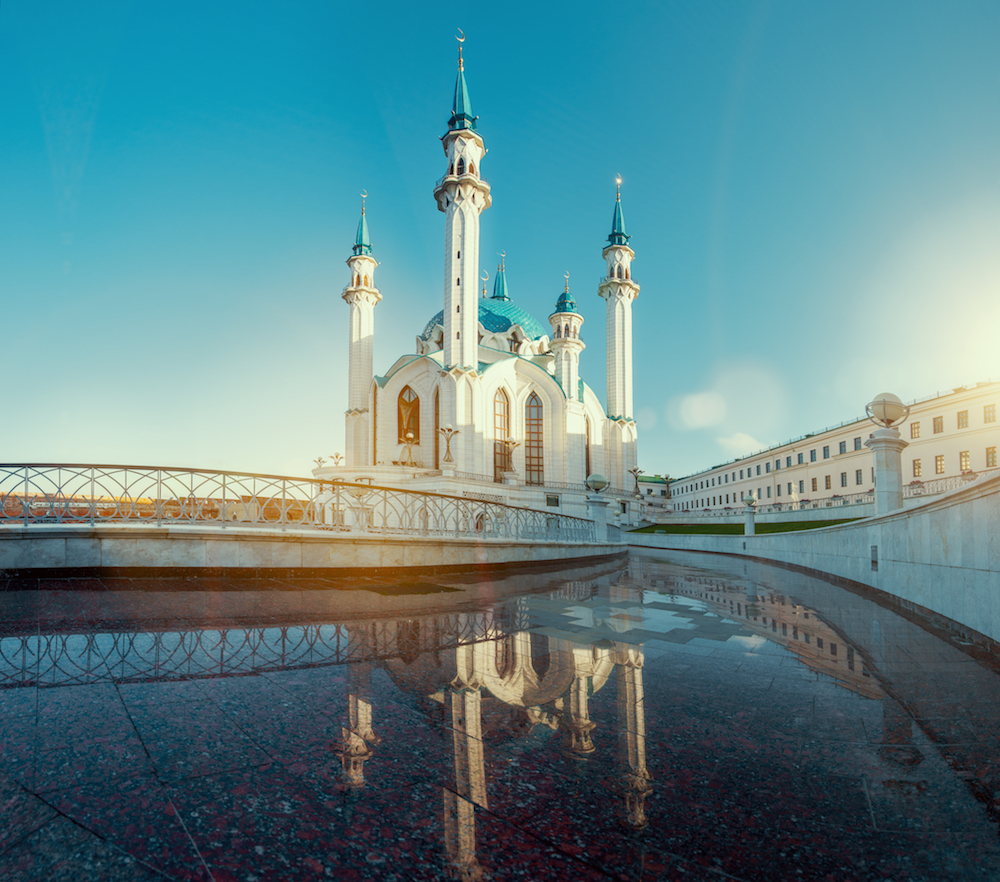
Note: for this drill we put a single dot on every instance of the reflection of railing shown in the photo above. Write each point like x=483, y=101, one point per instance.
x=65, y=659
x=94, y=494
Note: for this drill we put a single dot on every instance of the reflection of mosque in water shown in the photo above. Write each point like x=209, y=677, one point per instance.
x=516, y=683
x=781, y=620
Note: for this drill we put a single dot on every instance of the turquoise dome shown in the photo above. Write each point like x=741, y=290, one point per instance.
x=496, y=316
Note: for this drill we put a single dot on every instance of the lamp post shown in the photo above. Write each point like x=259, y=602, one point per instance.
x=886, y=445
x=597, y=507
x=635, y=476
x=447, y=432
x=748, y=515
x=408, y=442
x=510, y=445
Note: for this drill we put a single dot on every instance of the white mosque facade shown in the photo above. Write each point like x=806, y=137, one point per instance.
x=491, y=401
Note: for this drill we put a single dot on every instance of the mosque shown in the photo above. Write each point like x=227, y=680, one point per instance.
x=491, y=402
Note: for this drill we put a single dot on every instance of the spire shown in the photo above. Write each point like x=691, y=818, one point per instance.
x=566, y=303
x=618, y=235
x=461, y=107
x=500, y=282
x=362, y=242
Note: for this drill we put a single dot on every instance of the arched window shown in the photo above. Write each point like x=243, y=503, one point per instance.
x=472, y=168
x=558, y=332
x=627, y=276
x=619, y=272
x=366, y=280
x=515, y=344
x=408, y=414
x=504, y=657
x=565, y=330
x=461, y=166
x=501, y=432
x=533, y=456
x=437, y=428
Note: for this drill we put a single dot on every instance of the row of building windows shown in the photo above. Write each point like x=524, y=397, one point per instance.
x=964, y=462
x=965, y=465
x=962, y=421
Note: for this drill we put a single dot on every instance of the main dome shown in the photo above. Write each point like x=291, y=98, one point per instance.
x=496, y=316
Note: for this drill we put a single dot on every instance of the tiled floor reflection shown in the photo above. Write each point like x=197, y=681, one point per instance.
x=677, y=718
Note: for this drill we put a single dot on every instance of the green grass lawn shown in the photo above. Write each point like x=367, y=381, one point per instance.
x=737, y=529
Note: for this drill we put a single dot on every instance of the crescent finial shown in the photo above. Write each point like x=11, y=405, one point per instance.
x=566, y=274
x=485, y=276
x=364, y=196
x=461, y=38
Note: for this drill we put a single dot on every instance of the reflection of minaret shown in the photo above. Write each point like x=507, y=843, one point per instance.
x=577, y=724
x=635, y=779
x=465, y=698
x=357, y=737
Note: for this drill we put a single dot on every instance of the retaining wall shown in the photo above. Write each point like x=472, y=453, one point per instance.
x=942, y=555
x=139, y=547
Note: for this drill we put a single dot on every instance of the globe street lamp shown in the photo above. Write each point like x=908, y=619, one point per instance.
x=886, y=445
x=447, y=432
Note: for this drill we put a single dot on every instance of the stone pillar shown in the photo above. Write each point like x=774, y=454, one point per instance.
x=887, y=446
x=749, y=528
x=357, y=737
x=597, y=510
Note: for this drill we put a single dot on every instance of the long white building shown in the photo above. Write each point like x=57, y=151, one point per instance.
x=948, y=435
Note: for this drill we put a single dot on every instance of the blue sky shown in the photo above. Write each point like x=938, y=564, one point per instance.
x=813, y=191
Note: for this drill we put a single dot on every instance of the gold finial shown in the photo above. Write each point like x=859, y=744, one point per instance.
x=566, y=289
x=618, y=184
x=485, y=277
x=364, y=196
x=461, y=40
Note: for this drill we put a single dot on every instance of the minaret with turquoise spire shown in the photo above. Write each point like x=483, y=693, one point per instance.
x=566, y=344
x=361, y=295
x=462, y=195
x=619, y=291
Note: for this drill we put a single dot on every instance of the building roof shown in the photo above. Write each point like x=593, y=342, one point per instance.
x=362, y=241
x=618, y=235
x=495, y=315
x=565, y=303
x=461, y=106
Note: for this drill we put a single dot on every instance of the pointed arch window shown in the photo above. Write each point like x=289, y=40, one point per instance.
x=501, y=432
x=366, y=280
x=408, y=414
x=533, y=440
x=619, y=273
x=437, y=428
x=472, y=168
x=558, y=332
x=627, y=275
x=461, y=166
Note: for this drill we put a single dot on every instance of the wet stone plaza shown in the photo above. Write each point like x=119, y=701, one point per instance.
x=663, y=717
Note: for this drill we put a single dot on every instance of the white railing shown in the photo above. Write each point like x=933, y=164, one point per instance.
x=100, y=494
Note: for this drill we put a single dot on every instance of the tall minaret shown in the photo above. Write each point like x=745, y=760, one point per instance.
x=566, y=346
x=361, y=295
x=462, y=195
x=619, y=290
x=566, y=343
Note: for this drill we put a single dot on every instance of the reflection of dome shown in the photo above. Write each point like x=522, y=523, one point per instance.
x=496, y=316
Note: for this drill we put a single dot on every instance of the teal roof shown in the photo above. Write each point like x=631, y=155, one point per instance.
x=362, y=241
x=500, y=284
x=461, y=106
x=566, y=303
x=618, y=235
x=496, y=316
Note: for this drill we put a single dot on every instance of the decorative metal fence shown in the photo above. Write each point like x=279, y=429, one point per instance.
x=101, y=494
x=137, y=656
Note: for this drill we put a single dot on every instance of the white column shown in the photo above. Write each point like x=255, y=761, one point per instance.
x=887, y=446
